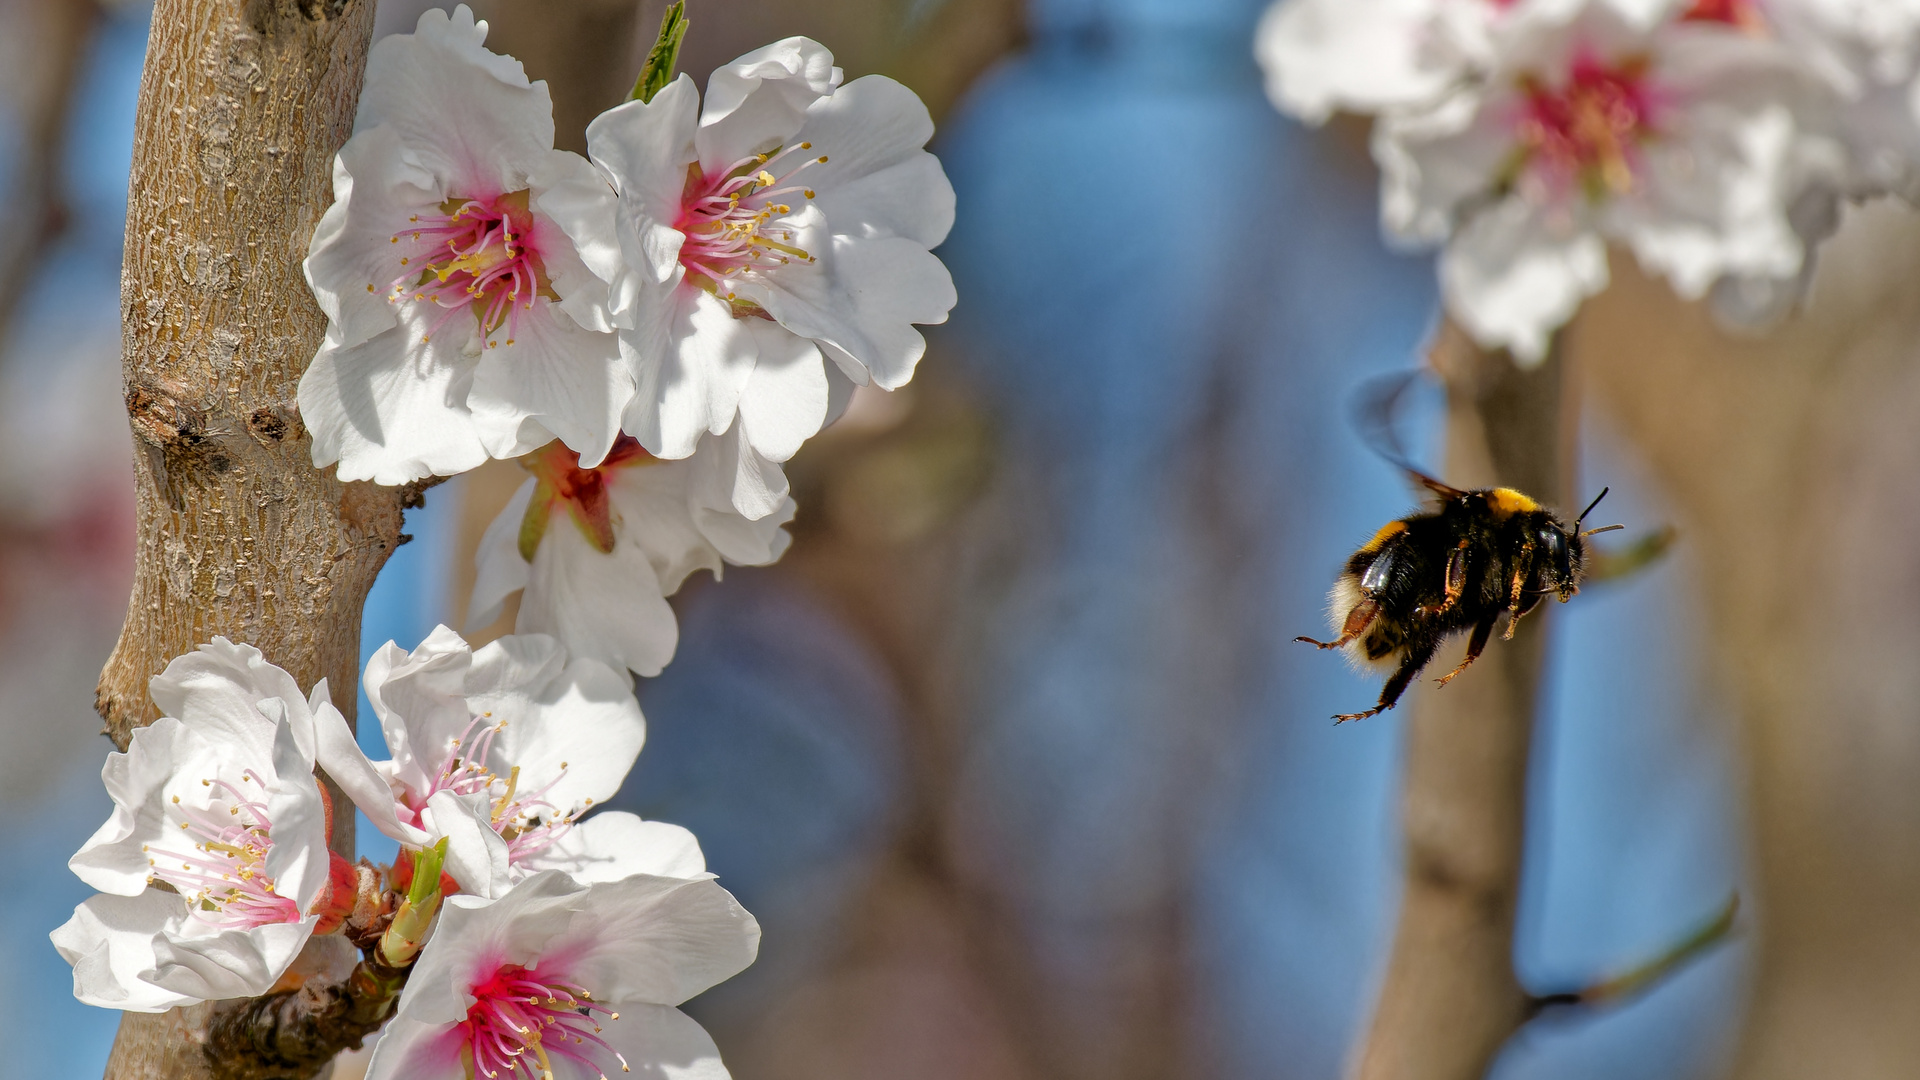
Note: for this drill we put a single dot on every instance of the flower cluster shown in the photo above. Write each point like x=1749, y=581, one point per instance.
x=653, y=329
x=214, y=873
x=1715, y=139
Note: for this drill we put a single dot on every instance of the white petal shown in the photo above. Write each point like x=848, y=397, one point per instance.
x=411, y=1050
x=657, y=939
x=1360, y=55
x=499, y=571
x=469, y=114
x=340, y=755
x=550, y=376
x=603, y=606
x=354, y=258
x=574, y=232
x=727, y=471
x=862, y=297
x=194, y=959
x=137, y=780
x=645, y=148
x=574, y=732
x=420, y=698
x=297, y=862
x=657, y=516
x=109, y=942
x=476, y=856
x=785, y=400
x=761, y=99
x=690, y=369
x=877, y=181
x=476, y=936
x=1512, y=280
x=659, y=1041
x=393, y=409
x=217, y=688
x=614, y=844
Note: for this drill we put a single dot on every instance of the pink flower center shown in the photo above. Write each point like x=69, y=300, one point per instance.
x=480, y=257
x=1741, y=13
x=583, y=491
x=224, y=876
x=519, y=1018
x=527, y=820
x=727, y=218
x=1588, y=130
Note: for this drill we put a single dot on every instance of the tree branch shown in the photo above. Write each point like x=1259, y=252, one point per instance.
x=243, y=104
x=1451, y=997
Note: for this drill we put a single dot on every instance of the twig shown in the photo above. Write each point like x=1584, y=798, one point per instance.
x=1451, y=998
x=1637, y=980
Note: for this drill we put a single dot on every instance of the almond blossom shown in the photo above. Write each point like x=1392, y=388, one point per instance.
x=1367, y=56
x=213, y=868
x=497, y=749
x=567, y=981
x=1679, y=139
x=462, y=321
x=784, y=225
x=596, y=552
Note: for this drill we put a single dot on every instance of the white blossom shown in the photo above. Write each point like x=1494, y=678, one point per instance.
x=786, y=224
x=497, y=749
x=596, y=552
x=462, y=321
x=217, y=802
x=1680, y=140
x=571, y=981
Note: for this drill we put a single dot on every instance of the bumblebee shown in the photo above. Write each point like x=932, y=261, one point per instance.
x=1475, y=556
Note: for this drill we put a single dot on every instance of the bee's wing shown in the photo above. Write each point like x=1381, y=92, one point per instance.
x=1374, y=405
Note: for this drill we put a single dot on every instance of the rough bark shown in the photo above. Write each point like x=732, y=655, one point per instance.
x=1789, y=462
x=1451, y=997
x=242, y=106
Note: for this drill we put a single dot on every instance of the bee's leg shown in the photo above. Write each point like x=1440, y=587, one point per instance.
x=1456, y=581
x=1482, y=630
x=1515, y=595
x=1410, y=665
x=1358, y=619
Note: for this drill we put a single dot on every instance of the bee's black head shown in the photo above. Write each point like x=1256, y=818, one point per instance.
x=1563, y=557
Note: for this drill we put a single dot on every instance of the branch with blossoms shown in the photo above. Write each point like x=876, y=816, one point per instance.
x=651, y=330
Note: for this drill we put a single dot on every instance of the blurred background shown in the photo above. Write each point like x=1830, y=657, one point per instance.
x=1012, y=755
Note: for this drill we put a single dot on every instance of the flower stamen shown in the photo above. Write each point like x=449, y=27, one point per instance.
x=727, y=218
x=480, y=258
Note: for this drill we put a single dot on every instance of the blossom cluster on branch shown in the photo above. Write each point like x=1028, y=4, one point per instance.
x=1714, y=139
x=652, y=330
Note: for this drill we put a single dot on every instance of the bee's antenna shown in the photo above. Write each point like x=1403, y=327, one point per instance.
x=1589, y=510
x=1601, y=529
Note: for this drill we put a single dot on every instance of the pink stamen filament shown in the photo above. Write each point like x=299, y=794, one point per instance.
x=519, y=1018
x=725, y=218
x=223, y=877
x=528, y=821
x=479, y=260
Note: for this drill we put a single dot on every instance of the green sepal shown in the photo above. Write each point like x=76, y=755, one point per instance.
x=407, y=933
x=664, y=57
x=533, y=524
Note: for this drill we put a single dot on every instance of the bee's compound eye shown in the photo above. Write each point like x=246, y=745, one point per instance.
x=1374, y=581
x=1554, y=541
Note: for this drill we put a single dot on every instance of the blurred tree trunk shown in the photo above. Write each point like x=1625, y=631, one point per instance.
x=242, y=106
x=1794, y=467
x=1451, y=999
